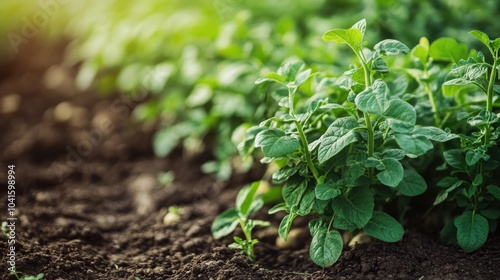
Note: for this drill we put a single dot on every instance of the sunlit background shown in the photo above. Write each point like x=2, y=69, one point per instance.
x=199, y=59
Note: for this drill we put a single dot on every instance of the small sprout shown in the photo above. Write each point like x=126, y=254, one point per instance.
x=173, y=216
x=26, y=277
x=166, y=178
x=5, y=231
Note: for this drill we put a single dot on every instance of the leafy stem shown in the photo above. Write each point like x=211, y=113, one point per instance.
x=490, y=92
x=302, y=135
x=366, y=116
x=248, y=250
x=307, y=154
x=427, y=88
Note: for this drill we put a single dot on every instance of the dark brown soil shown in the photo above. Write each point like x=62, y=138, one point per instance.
x=95, y=211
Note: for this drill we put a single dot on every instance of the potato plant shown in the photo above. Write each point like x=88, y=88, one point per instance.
x=349, y=148
x=472, y=182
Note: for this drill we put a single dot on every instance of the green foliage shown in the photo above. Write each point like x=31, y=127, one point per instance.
x=345, y=145
x=342, y=155
x=247, y=202
x=471, y=184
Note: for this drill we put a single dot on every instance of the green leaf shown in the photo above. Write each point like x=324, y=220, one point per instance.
x=448, y=49
x=320, y=206
x=285, y=225
x=464, y=76
x=326, y=247
x=374, y=99
x=421, y=51
x=412, y=184
x=391, y=47
x=338, y=135
x=356, y=205
x=275, y=143
x=307, y=202
x=478, y=180
x=245, y=197
x=448, y=182
x=384, y=227
x=400, y=115
x=455, y=158
x=456, y=86
x=165, y=140
x=483, y=37
x=293, y=191
x=326, y=191
x=343, y=224
x=302, y=77
x=380, y=66
x=472, y=231
x=442, y=196
x=361, y=26
x=352, y=37
x=271, y=77
x=494, y=190
x=433, y=133
x=473, y=156
x=225, y=223
x=315, y=225
x=290, y=70
x=392, y=173
x=284, y=173
x=451, y=183
x=278, y=207
x=394, y=153
x=496, y=44
x=413, y=145
x=492, y=214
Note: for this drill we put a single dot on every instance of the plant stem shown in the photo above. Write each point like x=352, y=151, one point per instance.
x=248, y=235
x=437, y=119
x=489, y=99
x=368, y=123
x=305, y=145
x=302, y=135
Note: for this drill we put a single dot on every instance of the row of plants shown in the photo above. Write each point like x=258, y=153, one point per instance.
x=396, y=124
x=201, y=57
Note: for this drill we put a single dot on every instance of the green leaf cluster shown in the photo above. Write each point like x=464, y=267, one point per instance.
x=347, y=145
x=341, y=158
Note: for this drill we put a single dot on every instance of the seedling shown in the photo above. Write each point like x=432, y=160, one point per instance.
x=26, y=277
x=5, y=230
x=247, y=202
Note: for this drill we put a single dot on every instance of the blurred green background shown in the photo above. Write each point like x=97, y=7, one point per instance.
x=198, y=60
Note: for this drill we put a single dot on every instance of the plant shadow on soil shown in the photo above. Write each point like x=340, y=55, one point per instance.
x=100, y=217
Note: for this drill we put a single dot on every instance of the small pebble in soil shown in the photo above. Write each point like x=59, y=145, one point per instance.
x=10, y=103
x=194, y=230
